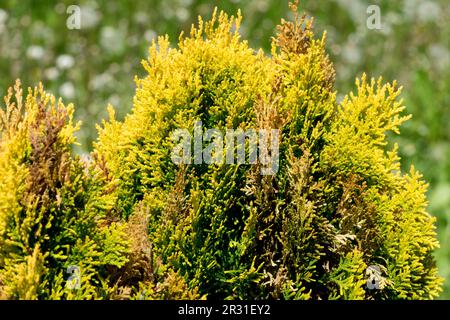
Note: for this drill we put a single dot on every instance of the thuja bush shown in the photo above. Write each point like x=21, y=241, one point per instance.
x=141, y=226
x=60, y=237
x=51, y=216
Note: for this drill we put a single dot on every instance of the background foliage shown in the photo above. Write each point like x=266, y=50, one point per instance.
x=92, y=67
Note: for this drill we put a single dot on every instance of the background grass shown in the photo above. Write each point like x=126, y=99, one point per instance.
x=95, y=65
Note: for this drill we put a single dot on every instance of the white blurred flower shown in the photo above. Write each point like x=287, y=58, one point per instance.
x=262, y=5
x=386, y=27
x=65, y=61
x=393, y=18
x=35, y=52
x=51, y=73
x=438, y=151
x=351, y=52
x=409, y=149
x=112, y=39
x=114, y=100
x=428, y=11
x=439, y=198
x=3, y=16
x=423, y=130
x=100, y=81
x=410, y=7
x=90, y=17
x=67, y=90
x=182, y=14
x=141, y=17
x=108, y=33
x=440, y=56
x=25, y=21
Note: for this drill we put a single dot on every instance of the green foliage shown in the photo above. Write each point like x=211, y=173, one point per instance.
x=338, y=204
x=48, y=205
x=141, y=227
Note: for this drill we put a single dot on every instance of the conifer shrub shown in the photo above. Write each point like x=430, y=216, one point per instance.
x=141, y=226
x=52, y=211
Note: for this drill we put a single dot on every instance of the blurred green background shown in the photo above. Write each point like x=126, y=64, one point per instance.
x=96, y=65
